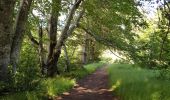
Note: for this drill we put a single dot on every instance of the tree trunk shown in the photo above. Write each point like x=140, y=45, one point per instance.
x=52, y=34
x=52, y=67
x=41, y=52
x=52, y=63
x=19, y=32
x=67, y=66
x=6, y=25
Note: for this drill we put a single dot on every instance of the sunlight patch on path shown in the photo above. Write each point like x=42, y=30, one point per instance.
x=92, y=87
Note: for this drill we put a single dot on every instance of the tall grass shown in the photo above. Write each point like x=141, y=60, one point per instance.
x=134, y=83
x=48, y=88
x=52, y=87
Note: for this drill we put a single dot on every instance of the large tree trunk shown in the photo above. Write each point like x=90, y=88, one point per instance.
x=6, y=23
x=52, y=68
x=56, y=5
x=52, y=64
x=19, y=32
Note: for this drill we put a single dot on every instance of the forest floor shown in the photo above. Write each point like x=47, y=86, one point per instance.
x=92, y=87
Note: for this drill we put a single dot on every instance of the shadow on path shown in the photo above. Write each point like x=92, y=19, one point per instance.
x=93, y=87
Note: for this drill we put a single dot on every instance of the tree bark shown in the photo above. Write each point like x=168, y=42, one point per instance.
x=52, y=33
x=6, y=27
x=41, y=52
x=19, y=32
x=53, y=27
x=64, y=35
x=52, y=68
x=33, y=40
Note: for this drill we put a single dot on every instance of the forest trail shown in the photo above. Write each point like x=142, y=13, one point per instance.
x=92, y=87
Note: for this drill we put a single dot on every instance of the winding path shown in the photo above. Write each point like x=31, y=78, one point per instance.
x=93, y=87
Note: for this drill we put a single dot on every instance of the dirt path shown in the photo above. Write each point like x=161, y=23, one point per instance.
x=93, y=87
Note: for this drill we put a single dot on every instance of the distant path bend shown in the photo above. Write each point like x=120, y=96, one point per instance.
x=92, y=87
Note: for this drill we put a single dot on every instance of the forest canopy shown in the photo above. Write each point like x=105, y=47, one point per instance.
x=45, y=38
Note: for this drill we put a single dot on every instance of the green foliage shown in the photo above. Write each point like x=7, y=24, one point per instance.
x=134, y=83
x=48, y=88
x=55, y=86
x=121, y=61
x=26, y=77
x=164, y=74
x=92, y=67
x=111, y=22
x=78, y=74
x=152, y=46
x=21, y=96
x=81, y=72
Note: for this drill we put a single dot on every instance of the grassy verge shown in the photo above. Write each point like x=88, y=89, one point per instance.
x=131, y=83
x=78, y=74
x=51, y=87
x=47, y=88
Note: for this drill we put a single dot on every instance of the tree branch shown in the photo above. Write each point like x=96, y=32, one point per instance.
x=64, y=33
x=33, y=40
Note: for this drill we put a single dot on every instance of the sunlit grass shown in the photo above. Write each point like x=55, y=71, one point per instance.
x=56, y=86
x=92, y=67
x=52, y=87
x=134, y=83
x=87, y=69
x=48, y=88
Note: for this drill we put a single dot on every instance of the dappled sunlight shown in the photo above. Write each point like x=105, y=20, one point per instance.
x=116, y=85
x=93, y=87
x=108, y=55
x=156, y=95
x=81, y=91
x=87, y=90
x=84, y=49
x=66, y=93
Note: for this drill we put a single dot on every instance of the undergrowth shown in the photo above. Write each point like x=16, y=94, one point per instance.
x=48, y=88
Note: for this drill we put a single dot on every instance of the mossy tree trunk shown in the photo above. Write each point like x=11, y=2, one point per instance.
x=19, y=31
x=6, y=21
